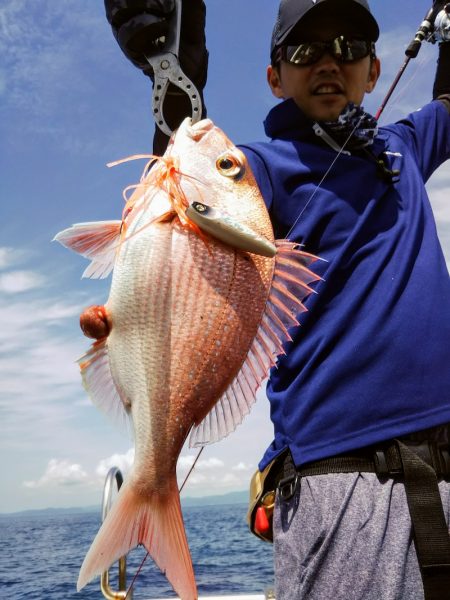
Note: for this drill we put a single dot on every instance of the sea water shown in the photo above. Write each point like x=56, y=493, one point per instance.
x=40, y=556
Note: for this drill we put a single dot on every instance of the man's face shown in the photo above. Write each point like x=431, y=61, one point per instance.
x=323, y=89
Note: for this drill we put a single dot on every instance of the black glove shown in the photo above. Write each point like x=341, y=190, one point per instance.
x=138, y=26
x=438, y=5
x=441, y=87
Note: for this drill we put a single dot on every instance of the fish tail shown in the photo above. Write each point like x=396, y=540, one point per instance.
x=149, y=519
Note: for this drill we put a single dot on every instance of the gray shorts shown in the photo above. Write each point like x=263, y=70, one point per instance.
x=347, y=536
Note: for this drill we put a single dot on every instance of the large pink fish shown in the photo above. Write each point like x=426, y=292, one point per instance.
x=194, y=324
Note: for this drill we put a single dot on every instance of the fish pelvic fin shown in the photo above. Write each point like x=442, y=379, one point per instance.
x=101, y=388
x=290, y=286
x=97, y=241
x=149, y=519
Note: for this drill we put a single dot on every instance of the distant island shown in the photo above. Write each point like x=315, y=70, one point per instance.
x=230, y=498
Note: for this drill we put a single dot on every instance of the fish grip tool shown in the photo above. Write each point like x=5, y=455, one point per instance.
x=428, y=32
x=167, y=70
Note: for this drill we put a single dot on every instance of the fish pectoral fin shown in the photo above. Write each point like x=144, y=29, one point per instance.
x=97, y=241
x=149, y=519
x=290, y=286
x=99, y=384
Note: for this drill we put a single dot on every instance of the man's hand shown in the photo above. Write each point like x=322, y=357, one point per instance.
x=139, y=27
x=438, y=5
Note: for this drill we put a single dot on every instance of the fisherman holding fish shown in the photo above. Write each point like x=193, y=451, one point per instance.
x=360, y=401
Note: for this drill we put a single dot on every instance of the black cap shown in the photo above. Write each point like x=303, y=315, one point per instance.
x=291, y=12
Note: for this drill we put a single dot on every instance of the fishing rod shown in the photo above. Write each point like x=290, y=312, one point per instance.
x=434, y=28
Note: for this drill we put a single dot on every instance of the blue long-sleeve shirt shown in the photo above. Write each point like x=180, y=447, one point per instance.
x=371, y=359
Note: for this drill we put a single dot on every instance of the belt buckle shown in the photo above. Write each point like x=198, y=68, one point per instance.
x=288, y=486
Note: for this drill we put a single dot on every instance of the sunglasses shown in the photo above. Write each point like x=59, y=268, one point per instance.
x=342, y=49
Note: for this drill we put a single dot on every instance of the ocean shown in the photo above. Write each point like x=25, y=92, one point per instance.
x=40, y=556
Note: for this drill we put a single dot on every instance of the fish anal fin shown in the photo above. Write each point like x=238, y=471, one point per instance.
x=149, y=519
x=290, y=286
x=97, y=241
x=99, y=384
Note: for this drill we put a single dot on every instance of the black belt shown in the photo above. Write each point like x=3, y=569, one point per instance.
x=418, y=466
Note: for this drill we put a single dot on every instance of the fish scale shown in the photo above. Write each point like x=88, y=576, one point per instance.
x=194, y=325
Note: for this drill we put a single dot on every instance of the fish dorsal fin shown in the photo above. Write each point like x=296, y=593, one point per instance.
x=99, y=384
x=97, y=241
x=290, y=286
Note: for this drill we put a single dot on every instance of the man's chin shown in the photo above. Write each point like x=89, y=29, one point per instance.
x=326, y=112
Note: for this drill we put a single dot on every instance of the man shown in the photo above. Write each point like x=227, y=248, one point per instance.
x=369, y=365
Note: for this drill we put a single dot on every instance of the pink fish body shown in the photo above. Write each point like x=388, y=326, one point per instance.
x=195, y=326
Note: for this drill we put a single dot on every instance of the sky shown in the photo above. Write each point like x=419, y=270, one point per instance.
x=69, y=103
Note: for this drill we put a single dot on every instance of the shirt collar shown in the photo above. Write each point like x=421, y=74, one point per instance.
x=287, y=121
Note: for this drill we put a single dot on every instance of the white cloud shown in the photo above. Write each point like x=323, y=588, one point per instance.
x=9, y=256
x=59, y=473
x=241, y=466
x=48, y=77
x=210, y=463
x=212, y=475
x=5, y=254
x=38, y=349
x=186, y=461
x=15, y=282
x=121, y=461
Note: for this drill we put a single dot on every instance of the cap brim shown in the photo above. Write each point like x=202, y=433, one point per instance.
x=355, y=14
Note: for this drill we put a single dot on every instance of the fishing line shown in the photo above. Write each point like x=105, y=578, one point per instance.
x=411, y=52
x=318, y=186
x=179, y=491
x=341, y=150
x=191, y=469
x=421, y=64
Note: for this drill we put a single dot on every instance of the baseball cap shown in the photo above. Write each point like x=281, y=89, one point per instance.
x=291, y=12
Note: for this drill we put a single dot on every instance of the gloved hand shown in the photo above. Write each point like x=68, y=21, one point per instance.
x=438, y=5
x=138, y=26
x=441, y=87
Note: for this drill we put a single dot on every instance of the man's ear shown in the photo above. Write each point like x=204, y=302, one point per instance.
x=374, y=73
x=274, y=81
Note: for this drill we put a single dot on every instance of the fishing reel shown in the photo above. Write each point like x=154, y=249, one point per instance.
x=432, y=29
x=441, y=31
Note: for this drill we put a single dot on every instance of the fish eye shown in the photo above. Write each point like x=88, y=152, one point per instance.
x=230, y=165
x=225, y=164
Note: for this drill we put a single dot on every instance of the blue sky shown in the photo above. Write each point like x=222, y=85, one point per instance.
x=69, y=103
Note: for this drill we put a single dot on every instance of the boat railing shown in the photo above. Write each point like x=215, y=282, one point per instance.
x=114, y=476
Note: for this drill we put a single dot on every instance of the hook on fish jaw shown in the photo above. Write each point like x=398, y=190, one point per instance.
x=226, y=229
x=164, y=172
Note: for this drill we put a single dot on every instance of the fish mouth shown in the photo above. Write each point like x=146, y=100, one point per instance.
x=197, y=130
